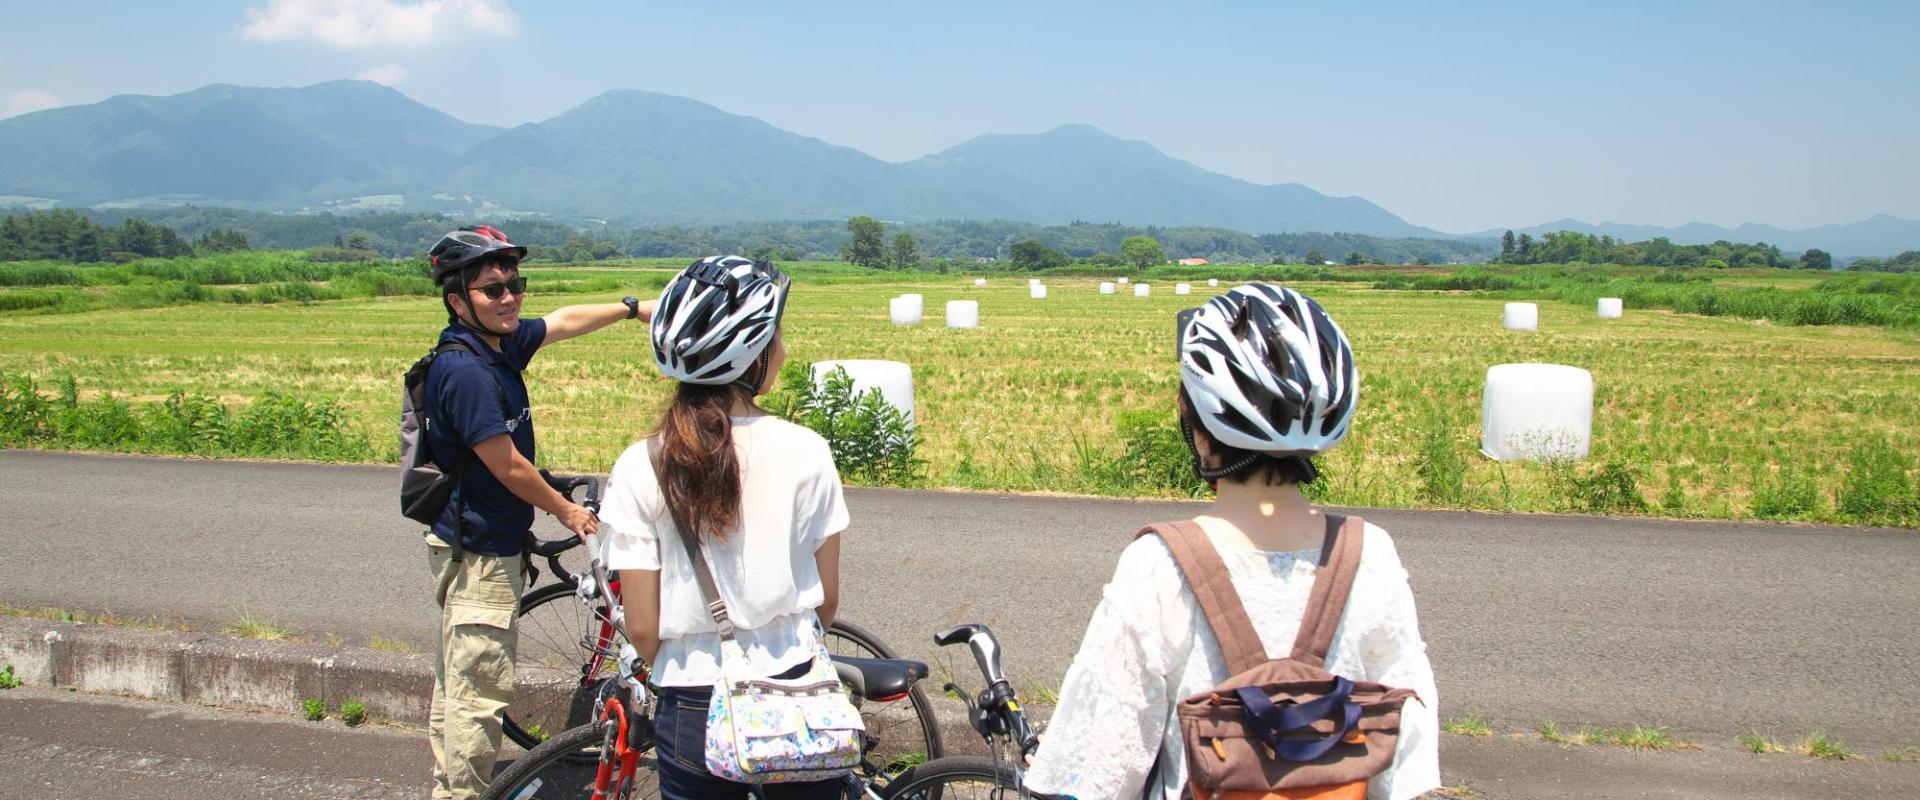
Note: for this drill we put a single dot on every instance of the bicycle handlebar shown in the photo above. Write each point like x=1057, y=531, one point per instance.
x=566, y=485
x=998, y=698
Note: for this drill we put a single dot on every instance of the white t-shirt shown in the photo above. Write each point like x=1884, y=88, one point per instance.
x=790, y=502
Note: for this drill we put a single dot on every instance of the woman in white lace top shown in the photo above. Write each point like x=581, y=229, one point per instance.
x=1267, y=381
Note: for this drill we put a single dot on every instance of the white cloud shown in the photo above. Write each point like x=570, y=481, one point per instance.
x=25, y=100
x=389, y=74
x=360, y=24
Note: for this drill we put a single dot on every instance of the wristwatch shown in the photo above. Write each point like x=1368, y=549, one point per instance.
x=633, y=306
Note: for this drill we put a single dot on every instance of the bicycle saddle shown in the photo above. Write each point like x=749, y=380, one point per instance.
x=878, y=678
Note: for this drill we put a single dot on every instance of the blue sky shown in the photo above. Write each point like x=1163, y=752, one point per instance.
x=1458, y=115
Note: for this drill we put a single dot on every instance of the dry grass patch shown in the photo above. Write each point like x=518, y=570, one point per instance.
x=1470, y=725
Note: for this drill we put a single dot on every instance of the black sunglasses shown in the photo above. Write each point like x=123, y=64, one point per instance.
x=493, y=291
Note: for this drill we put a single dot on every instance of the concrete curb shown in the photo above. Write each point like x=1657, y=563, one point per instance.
x=215, y=670
x=256, y=675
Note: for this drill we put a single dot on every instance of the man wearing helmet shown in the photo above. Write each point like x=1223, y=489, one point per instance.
x=481, y=431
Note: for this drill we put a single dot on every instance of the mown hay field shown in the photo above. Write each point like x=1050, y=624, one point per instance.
x=1699, y=413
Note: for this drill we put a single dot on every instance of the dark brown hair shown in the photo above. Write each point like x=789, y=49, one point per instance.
x=698, y=469
x=1275, y=470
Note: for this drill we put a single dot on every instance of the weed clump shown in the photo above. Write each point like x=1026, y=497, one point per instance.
x=1442, y=468
x=7, y=679
x=1876, y=487
x=313, y=710
x=1792, y=494
x=353, y=712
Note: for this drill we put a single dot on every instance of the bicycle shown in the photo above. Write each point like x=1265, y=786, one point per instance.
x=568, y=652
x=556, y=770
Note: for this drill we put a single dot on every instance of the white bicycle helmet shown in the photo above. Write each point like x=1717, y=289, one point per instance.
x=716, y=318
x=1267, y=371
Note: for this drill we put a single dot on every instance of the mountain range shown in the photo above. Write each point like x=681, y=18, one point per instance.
x=645, y=158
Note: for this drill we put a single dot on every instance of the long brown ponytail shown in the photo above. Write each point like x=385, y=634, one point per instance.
x=698, y=468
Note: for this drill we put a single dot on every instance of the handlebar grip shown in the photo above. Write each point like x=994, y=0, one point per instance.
x=548, y=548
x=953, y=636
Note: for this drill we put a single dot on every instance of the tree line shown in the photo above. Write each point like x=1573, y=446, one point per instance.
x=1569, y=247
x=70, y=236
x=406, y=234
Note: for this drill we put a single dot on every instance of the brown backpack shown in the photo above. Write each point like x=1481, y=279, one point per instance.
x=1282, y=728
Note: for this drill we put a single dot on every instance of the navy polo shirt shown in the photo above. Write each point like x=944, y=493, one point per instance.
x=470, y=399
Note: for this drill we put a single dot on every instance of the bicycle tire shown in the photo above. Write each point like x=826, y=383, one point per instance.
x=547, y=692
x=893, y=752
x=556, y=770
x=953, y=778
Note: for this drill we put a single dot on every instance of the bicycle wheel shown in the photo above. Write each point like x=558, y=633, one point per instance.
x=953, y=778
x=903, y=732
x=549, y=693
x=563, y=768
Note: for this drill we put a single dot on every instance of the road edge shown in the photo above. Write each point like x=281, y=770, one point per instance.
x=215, y=670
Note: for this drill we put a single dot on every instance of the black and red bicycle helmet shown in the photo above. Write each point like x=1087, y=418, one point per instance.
x=467, y=246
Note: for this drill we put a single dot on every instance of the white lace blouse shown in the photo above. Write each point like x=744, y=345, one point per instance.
x=1148, y=646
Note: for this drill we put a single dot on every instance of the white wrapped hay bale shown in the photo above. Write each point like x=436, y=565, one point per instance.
x=1106, y=287
x=1123, y=281
x=892, y=378
x=1183, y=288
x=1522, y=316
x=1610, y=307
x=1141, y=289
x=1212, y=282
x=963, y=313
x=904, y=310
x=979, y=281
x=1536, y=412
x=1037, y=291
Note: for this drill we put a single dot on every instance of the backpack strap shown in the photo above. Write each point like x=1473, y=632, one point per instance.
x=1339, y=563
x=1213, y=589
x=459, y=470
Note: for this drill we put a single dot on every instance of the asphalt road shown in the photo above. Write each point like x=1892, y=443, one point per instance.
x=62, y=746
x=1714, y=629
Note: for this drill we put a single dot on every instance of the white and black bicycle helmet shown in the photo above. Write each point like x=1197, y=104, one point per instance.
x=1267, y=371
x=716, y=318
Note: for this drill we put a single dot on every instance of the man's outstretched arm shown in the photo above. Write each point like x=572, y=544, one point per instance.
x=570, y=321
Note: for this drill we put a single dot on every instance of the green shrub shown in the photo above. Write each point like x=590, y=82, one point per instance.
x=353, y=712
x=1876, y=487
x=275, y=425
x=7, y=679
x=314, y=710
x=1792, y=494
x=872, y=441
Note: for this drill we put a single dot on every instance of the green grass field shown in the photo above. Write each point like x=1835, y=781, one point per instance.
x=1705, y=416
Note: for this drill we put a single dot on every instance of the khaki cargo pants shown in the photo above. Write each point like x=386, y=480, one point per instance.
x=473, y=673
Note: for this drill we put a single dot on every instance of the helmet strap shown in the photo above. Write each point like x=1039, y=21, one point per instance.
x=466, y=298
x=1211, y=474
x=755, y=376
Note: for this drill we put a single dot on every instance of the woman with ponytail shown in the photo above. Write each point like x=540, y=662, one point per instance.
x=758, y=496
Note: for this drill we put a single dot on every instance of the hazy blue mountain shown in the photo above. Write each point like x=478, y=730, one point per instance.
x=1879, y=235
x=645, y=157
x=1079, y=172
x=648, y=158
x=232, y=144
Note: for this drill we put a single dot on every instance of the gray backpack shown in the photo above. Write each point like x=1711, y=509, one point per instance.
x=424, y=487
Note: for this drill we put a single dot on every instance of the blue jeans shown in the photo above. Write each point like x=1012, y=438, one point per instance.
x=680, y=742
